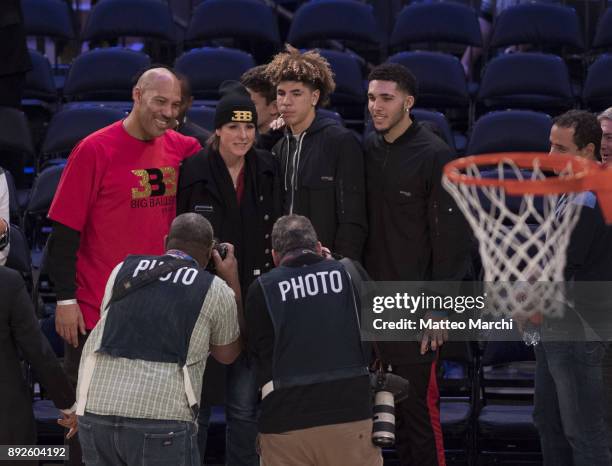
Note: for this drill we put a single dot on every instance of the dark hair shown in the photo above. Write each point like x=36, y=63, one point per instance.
x=309, y=68
x=191, y=233
x=152, y=66
x=587, y=129
x=397, y=73
x=257, y=81
x=292, y=232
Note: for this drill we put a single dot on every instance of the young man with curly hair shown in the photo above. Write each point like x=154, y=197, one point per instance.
x=322, y=167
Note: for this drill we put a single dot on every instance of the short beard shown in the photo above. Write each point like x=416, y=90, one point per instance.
x=393, y=124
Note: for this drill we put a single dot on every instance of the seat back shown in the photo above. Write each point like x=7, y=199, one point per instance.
x=104, y=74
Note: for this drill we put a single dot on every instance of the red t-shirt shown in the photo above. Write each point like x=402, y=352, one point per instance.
x=119, y=193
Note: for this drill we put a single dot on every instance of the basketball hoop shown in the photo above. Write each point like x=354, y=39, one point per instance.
x=522, y=208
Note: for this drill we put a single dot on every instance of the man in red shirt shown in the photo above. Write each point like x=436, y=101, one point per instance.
x=116, y=196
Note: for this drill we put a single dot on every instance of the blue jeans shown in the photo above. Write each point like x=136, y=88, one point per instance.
x=569, y=410
x=240, y=413
x=122, y=441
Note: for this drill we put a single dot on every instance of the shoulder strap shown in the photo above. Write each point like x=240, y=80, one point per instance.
x=131, y=284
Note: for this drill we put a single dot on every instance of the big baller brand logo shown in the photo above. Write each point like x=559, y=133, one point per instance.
x=157, y=187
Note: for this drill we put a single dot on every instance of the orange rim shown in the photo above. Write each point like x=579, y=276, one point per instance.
x=576, y=182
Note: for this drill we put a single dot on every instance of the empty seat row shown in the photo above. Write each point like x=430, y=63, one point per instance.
x=542, y=24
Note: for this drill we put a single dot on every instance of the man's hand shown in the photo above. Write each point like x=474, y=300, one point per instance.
x=227, y=268
x=69, y=421
x=69, y=322
x=433, y=339
x=278, y=123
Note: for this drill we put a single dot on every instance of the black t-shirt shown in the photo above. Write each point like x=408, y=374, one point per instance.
x=304, y=406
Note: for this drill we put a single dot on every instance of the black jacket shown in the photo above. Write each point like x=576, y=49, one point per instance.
x=20, y=335
x=416, y=232
x=205, y=187
x=329, y=187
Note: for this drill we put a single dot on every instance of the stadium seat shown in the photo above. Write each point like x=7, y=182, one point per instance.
x=459, y=396
x=506, y=432
x=538, y=24
x=597, y=91
x=603, y=34
x=104, y=74
x=14, y=207
x=110, y=19
x=16, y=146
x=510, y=131
x=431, y=22
x=441, y=79
x=36, y=226
x=47, y=18
x=49, y=432
x=207, y=67
x=39, y=84
x=349, y=97
x=202, y=116
x=69, y=126
x=345, y=20
x=19, y=255
x=534, y=81
x=236, y=19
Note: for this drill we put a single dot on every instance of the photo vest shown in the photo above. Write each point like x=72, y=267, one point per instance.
x=316, y=326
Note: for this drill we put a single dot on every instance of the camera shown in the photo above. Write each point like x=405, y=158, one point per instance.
x=388, y=389
x=221, y=248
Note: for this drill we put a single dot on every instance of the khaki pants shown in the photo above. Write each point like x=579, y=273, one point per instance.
x=331, y=445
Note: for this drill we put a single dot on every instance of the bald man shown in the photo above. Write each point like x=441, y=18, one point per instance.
x=116, y=196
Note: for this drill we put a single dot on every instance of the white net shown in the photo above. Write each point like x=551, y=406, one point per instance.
x=522, y=238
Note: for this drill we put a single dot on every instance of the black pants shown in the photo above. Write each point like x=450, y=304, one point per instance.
x=72, y=358
x=418, y=431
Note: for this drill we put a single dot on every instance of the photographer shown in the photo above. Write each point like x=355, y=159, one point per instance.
x=303, y=331
x=236, y=187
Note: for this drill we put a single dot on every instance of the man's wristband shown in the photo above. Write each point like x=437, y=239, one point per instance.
x=67, y=302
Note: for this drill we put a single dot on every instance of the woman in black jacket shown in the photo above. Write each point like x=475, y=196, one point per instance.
x=236, y=187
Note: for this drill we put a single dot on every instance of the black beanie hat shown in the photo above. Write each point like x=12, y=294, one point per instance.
x=235, y=105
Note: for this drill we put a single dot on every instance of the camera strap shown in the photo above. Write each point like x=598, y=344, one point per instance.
x=124, y=288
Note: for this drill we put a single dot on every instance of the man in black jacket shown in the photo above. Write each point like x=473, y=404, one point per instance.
x=415, y=233
x=303, y=331
x=183, y=124
x=321, y=162
x=20, y=335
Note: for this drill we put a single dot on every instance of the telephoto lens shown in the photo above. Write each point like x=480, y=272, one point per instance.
x=383, y=429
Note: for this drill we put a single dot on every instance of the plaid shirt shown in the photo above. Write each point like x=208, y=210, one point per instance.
x=155, y=390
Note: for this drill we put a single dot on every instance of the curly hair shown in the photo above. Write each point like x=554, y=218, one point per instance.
x=308, y=67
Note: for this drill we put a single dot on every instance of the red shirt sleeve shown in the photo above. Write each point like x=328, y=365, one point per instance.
x=79, y=185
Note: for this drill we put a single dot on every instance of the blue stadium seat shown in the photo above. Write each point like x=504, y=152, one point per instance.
x=19, y=255
x=349, y=96
x=597, y=91
x=510, y=131
x=110, y=19
x=69, y=126
x=49, y=432
x=431, y=22
x=39, y=84
x=207, y=67
x=14, y=207
x=202, y=116
x=47, y=18
x=539, y=24
x=16, y=146
x=505, y=429
x=533, y=81
x=333, y=19
x=603, y=34
x=35, y=223
x=104, y=74
x=441, y=80
x=236, y=19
